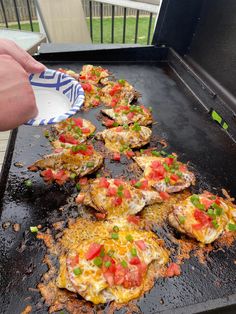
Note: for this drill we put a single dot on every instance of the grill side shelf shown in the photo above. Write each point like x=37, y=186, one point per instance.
x=219, y=110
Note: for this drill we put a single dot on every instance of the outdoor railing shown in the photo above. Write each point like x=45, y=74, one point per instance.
x=22, y=11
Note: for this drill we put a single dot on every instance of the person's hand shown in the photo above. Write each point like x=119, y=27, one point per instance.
x=8, y=47
x=17, y=101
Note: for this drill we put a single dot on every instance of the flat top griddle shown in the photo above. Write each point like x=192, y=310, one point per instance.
x=189, y=131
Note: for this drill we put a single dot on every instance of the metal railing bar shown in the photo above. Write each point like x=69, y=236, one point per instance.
x=112, y=23
x=91, y=19
x=101, y=21
x=136, y=28
x=149, y=28
x=141, y=6
x=17, y=14
x=124, y=25
x=30, y=17
x=4, y=13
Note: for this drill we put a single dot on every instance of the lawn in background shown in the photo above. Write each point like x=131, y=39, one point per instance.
x=118, y=29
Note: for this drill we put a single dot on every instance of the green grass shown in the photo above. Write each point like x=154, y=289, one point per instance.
x=118, y=29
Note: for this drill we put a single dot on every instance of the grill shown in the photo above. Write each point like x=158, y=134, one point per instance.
x=196, y=117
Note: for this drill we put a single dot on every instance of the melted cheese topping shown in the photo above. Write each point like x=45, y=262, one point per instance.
x=143, y=118
x=116, y=140
x=91, y=283
x=205, y=234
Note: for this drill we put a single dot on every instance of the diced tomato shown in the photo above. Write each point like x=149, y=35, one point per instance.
x=144, y=184
x=108, y=122
x=182, y=168
x=112, y=267
x=100, y=216
x=173, y=270
x=122, y=108
x=217, y=201
x=156, y=164
x=115, y=89
x=114, y=102
x=133, y=181
x=47, y=174
x=83, y=181
x=130, y=153
x=82, y=77
x=202, y=218
x=93, y=251
x=169, y=161
x=73, y=261
x=130, y=115
x=85, y=130
x=117, y=201
x=141, y=245
x=127, y=194
x=142, y=267
x=80, y=198
x=119, y=129
x=109, y=278
x=174, y=177
x=197, y=226
x=206, y=202
x=133, y=278
x=87, y=152
x=119, y=275
x=111, y=191
x=135, y=260
x=118, y=182
x=67, y=138
x=164, y=195
x=96, y=103
x=60, y=177
x=145, y=109
x=78, y=122
x=103, y=183
x=133, y=219
x=157, y=174
x=87, y=87
x=116, y=156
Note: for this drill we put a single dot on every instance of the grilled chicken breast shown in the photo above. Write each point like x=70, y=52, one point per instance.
x=69, y=164
x=72, y=131
x=118, y=93
x=203, y=217
x=129, y=114
x=92, y=95
x=109, y=260
x=122, y=138
x=165, y=174
x=93, y=74
x=116, y=197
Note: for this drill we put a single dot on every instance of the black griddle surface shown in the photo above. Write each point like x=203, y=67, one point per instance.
x=190, y=132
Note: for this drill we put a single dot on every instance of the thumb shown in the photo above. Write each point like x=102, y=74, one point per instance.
x=31, y=65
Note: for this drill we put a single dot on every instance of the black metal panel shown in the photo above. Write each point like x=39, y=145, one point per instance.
x=176, y=24
x=105, y=53
x=214, y=45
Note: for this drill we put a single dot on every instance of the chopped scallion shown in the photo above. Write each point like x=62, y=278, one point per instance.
x=34, y=229
x=97, y=261
x=133, y=251
x=116, y=229
x=115, y=236
x=77, y=271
